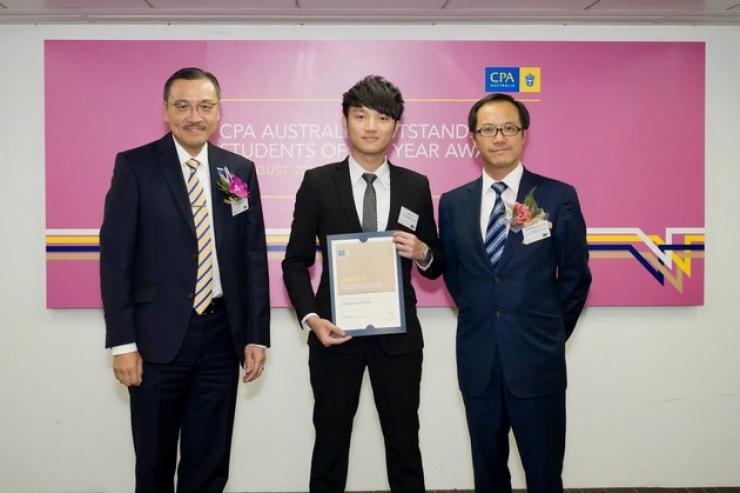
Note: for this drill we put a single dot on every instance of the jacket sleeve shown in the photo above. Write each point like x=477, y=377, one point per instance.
x=574, y=276
x=427, y=232
x=447, y=239
x=300, y=253
x=258, y=283
x=117, y=246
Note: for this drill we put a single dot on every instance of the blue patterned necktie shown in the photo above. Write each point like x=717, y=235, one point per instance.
x=496, y=230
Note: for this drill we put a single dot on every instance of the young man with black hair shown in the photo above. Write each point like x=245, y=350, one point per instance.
x=332, y=200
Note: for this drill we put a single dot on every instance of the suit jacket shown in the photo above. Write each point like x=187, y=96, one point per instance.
x=524, y=311
x=324, y=206
x=148, y=253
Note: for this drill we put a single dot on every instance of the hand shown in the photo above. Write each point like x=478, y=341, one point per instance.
x=128, y=368
x=409, y=246
x=254, y=362
x=327, y=333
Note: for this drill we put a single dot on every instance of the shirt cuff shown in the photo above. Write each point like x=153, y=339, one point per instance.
x=304, y=321
x=124, y=349
x=257, y=345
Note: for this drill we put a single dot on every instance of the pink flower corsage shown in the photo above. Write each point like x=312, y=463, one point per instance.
x=526, y=214
x=232, y=186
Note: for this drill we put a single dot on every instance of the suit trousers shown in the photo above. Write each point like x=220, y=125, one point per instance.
x=193, y=398
x=539, y=428
x=336, y=379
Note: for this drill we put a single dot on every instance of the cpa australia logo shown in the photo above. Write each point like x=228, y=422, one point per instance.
x=529, y=80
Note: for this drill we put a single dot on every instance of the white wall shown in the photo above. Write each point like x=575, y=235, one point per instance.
x=654, y=396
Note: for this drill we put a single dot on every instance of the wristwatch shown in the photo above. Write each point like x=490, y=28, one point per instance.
x=426, y=257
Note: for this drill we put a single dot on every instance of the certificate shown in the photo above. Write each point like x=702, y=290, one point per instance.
x=366, y=284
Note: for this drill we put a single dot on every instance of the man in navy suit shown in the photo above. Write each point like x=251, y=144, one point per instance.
x=183, y=271
x=516, y=264
x=332, y=200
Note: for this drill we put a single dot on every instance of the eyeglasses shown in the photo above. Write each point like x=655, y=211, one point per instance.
x=204, y=107
x=490, y=131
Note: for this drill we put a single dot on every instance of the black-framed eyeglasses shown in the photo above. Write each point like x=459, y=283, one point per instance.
x=490, y=131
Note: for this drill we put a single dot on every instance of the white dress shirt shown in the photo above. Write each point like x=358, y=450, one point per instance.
x=382, y=186
x=488, y=196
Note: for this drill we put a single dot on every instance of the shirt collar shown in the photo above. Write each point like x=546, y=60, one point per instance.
x=355, y=172
x=511, y=180
x=183, y=155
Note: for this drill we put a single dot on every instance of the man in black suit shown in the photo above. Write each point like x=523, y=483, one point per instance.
x=517, y=267
x=183, y=271
x=332, y=200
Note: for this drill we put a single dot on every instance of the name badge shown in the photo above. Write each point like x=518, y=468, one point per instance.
x=408, y=218
x=536, y=232
x=239, y=206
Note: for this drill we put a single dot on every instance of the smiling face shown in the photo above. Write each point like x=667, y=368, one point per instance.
x=370, y=133
x=192, y=112
x=500, y=154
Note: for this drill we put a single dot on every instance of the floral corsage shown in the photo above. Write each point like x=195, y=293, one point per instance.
x=232, y=186
x=526, y=214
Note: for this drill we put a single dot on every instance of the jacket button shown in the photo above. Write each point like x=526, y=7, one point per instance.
x=190, y=296
x=499, y=314
x=195, y=257
x=496, y=279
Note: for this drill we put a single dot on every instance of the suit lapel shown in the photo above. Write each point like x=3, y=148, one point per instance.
x=343, y=186
x=514, y=240
x=170, y=166
x=217, y=197
x=396, y=194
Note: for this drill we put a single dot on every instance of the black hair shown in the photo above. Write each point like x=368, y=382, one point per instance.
x=493, y=98
x=376, y=93
x=190, y=73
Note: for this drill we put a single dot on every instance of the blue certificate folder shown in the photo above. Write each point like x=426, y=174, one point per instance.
x=375, y=304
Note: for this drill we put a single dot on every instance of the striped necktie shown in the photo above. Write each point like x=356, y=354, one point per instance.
x=204, y=283
x=496, y=230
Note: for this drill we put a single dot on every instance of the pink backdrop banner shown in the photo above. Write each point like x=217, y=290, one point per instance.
x=622, y=121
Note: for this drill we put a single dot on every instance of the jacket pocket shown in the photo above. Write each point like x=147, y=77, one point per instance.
x=543, y=311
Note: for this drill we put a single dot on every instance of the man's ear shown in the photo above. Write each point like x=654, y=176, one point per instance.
x=475, y=143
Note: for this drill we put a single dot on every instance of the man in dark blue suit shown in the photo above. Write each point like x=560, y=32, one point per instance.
x=517, y=268
x=183, y=271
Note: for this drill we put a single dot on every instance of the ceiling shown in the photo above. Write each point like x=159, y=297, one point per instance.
x=719, y=12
